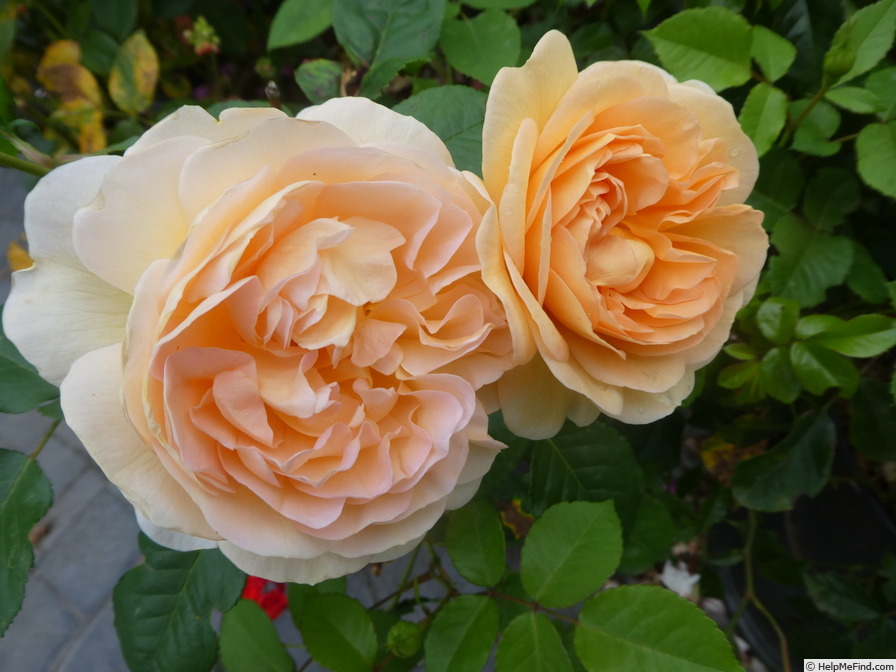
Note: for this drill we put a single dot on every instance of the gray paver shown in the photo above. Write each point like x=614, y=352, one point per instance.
x=94, y=650
x=40, y=632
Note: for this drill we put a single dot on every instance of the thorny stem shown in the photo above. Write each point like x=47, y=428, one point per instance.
x=405, y=576
x=23, y=165
x=43, y=441
x=751, y=597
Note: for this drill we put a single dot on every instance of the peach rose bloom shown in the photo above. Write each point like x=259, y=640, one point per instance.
x=621, y=247
x=269, y=331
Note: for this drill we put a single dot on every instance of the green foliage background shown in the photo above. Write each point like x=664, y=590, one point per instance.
x=555, y=565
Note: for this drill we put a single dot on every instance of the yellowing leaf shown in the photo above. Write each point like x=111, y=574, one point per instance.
x=86, y=122
x=61, y=72
x=134, y=74
x=17, y=256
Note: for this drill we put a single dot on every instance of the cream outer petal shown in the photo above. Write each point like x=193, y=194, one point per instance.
x=57, y=290
x=91, y=402
x=368, y=123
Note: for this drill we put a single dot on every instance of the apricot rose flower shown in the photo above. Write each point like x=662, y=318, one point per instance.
x=621, y=248
x=269, y=331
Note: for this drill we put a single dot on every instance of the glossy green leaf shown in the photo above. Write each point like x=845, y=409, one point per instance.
x=831, y=195
x=876, y=153
x=740, y=351
x=872, y=428
x=843, y=600
x=377, y=30
x=778, y=377
x=455, y=114
x=764, y=115
x=298, y=21
x=531, y=643
x=134, y=74
x=319, y=79
x=809, y=262
x=799, y=464
x=649, y=628
x=21, y=389
x=98, y=51
x=779, y=186
x=593, y=463
x=737, y=375
x=711, y=44
x=481, y=46
x=338, y=632
x=250, y=643
x=162, y=608
x=819, y=368
x=297, y=592
x=882, y=83
x=816, y=128
x=475, y=541
x=777, y=318
x=461, y=635
x=649, y=539
x=379, y=76
x=25, y=497
x=570, y=552
x=855, y=99
x=861, y=42
x=866, y=278
x=862, y=336
x=116, y=17
x=498, y=4
x=812, y=325
x=773, y=53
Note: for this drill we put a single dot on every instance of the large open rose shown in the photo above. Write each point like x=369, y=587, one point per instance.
x=621, y=247
x=269, y=331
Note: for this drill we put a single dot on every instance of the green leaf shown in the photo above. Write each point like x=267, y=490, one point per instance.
x=134, y=74
x=570, y=552
x=799, y=464
x=531, y=643
x=593, y=463
x=737, y=375
x=379, y=76
x=297, y=592
x=298, y=21
x=779, y=186
x=21, y=389
x=649, y=628
x=813, y=134
x=319, y=79
x=832, y=194
x=372, y=31
x=455, y=114
x=811, y=325
x=809, y=262
x=862, y=336
x=250, y=643
x=338, y=632
x=649, y=539
x=861, y=42
x=876, y=153
x=98, y=51
x=475, y=541
x=162, y=608
x=872, y=428
x=882, y=84
x=498, y=4
x=778, y=377
x=866, y=278
x=855, y=99
x=25, y=496
x=461, y=635
x=839, y=598
x=763, y=115
x=773, y=53
x=711, y=44
x=116, y=17
x=740, y=351
x=481, y=46
x=819, y=368
x=777, y=318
